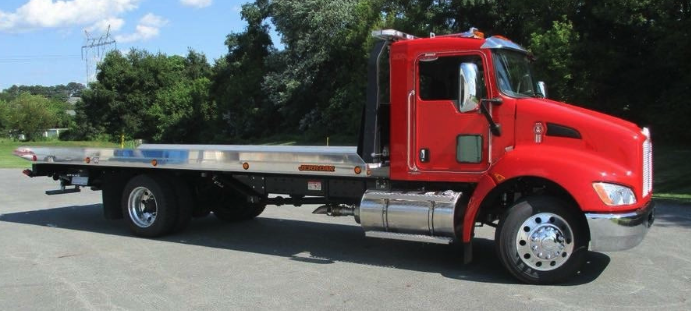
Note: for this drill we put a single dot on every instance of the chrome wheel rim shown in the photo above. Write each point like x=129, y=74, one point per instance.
x=142, y=207
x=544, y=241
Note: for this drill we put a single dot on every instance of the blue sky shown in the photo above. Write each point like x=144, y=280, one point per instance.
x=40, y=40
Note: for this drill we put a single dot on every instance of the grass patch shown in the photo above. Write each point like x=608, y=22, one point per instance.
x=672, y=173
x=9, y=160
x=678, y=197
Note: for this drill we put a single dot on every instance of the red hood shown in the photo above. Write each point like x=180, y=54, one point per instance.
x=585, y=113
x=609, y=137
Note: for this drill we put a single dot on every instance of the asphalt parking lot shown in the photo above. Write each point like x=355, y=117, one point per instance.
x=58, y=252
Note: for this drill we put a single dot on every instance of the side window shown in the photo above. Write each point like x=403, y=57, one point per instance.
x=439, y=77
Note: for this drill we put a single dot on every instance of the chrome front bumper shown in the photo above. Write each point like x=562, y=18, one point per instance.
x=618, y=232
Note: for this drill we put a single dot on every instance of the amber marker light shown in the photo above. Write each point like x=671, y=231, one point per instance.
x=154, y=162
x=357, y=170
x=499, y=177
x=245, y=166
x=87, y=160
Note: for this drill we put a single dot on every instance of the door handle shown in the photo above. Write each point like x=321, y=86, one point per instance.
x=409, y=151
x=424, y=155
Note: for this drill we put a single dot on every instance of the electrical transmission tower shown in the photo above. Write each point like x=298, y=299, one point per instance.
x=93, y=51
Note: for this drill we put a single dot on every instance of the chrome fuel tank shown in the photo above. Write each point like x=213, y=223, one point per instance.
x=413, y=213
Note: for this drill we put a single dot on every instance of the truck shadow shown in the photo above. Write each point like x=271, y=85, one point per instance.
x=311, y=242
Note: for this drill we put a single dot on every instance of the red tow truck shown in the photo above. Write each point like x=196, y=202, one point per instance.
x=460, y=136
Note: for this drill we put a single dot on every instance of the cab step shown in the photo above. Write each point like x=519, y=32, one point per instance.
x=409, y=237
x=64, y=191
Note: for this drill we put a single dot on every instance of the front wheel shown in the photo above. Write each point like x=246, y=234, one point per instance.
x=540, y=240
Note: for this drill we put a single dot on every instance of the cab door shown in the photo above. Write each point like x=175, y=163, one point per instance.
x=446, y=139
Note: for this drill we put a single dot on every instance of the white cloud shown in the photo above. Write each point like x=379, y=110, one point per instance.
x=153, y=20
x=148, y=27
x=102, y=25
x=37, y=14
x=196, y=3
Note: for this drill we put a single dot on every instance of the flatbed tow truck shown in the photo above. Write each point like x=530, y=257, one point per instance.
x=461, y=136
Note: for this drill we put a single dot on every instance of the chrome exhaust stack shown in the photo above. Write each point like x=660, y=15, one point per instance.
x=338, y=210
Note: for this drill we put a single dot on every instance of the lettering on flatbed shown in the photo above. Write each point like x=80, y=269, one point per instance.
x=317, y=168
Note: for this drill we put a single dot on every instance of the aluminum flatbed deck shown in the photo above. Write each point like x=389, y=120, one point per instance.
x=294, y=160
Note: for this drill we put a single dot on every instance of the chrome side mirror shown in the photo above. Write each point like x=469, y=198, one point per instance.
x=467, y=90
x=542, y=89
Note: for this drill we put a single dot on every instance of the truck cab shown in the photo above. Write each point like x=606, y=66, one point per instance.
x=466, y=110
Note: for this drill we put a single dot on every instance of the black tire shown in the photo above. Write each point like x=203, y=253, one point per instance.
x=540, y=240
x=254, y=211
x=143, y=195
x=203, y=194
x=198, y=212
x=238, y=210
x=224, y=203
x=185, y=204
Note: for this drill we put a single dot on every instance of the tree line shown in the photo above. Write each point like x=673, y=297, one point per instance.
x=30, y=110
x=628, y=58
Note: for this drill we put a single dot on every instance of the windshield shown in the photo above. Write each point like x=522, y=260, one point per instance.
x=514, y=76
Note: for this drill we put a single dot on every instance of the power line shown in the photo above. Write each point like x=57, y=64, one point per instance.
x=97, y=47
x=35, y=58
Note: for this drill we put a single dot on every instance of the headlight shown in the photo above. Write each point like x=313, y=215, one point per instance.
x=614, y=195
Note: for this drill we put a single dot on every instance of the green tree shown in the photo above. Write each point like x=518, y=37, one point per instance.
x=318, y=81
x=56, y=92
x=182, y=111
x=31, y=115
x=4, y=115
x=135, y=94
x=244, y=109
x=554, y=48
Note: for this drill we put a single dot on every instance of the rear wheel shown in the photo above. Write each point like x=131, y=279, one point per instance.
x=149, y=205
x=226, y=204
x=237, y=211
x=541, y=240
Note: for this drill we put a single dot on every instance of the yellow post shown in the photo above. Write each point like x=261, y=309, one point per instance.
x=122, y=140
x=327, y=141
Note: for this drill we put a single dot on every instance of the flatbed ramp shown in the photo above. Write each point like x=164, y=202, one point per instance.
x=294, y=160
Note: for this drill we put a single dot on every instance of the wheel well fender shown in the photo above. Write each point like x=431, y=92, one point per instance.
x=488, y=196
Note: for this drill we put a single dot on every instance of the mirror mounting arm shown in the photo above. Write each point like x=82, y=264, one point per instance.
x=493, y=126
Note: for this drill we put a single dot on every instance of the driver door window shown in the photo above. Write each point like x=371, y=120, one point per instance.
x=439, y=78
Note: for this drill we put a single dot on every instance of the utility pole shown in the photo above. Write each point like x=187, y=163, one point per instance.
x=93, y=51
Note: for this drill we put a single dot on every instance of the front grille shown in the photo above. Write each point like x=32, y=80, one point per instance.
x=647, y=167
